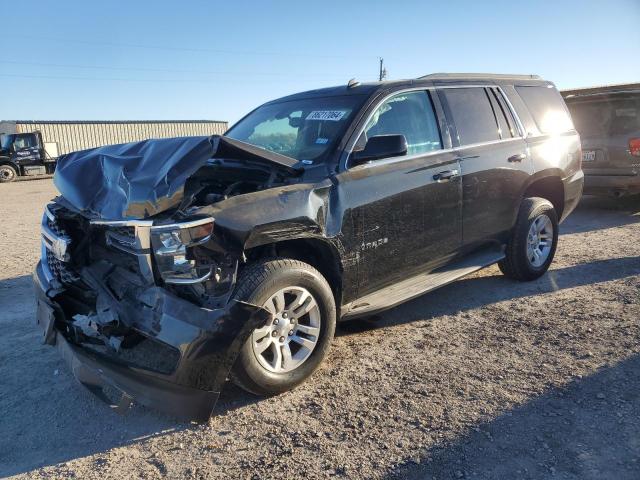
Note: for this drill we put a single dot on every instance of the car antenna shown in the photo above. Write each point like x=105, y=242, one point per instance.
x=353, y=83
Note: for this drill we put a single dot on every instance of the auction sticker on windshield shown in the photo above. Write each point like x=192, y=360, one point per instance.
x=330, y=115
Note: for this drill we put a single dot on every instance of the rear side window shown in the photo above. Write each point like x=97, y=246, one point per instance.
x=505, y=130
x=547, y=108
x=606, y=117
x=472, y=114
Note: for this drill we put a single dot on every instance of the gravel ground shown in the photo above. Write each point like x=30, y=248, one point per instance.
x=485, y=378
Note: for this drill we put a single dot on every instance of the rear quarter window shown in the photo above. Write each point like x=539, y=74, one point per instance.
x=547, y=108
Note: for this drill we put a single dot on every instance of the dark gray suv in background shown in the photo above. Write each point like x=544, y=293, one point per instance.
x=169, y=265
x=608, y=121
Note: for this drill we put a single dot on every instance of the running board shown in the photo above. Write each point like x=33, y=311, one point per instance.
x=405, y=290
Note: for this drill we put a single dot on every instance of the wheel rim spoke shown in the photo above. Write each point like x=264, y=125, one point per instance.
x=260, y=346
x=260, y=333
x=303, y=341
x=278, y=301
x=301, y=297
x=277, y=357
x=306, y=306
x=308, y=329
x=286, y=356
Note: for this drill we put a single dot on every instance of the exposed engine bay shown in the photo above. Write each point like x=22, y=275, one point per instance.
x=220, y=179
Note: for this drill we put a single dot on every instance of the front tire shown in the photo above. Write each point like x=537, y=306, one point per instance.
x=7, y=173
x=533, y=242
x=291, y=346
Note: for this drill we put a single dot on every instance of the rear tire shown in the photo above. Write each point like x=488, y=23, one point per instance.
x=291, y=346
x=533, y=241
x=7, y=173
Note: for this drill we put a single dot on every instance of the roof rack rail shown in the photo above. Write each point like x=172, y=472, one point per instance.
x=447, y=76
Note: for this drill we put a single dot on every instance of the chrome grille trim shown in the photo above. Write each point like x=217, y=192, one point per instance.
x=54, y=250
x=140, y=247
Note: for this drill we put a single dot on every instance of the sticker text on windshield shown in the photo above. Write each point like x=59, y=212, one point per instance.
x=326, y=115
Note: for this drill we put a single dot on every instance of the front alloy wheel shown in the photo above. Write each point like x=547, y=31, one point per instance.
x=289, y=339
x=284, y=352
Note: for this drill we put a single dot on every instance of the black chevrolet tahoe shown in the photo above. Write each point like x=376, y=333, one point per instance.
x=171, y=265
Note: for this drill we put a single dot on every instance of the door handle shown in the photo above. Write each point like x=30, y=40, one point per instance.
x=517, y=158
x=445, y=175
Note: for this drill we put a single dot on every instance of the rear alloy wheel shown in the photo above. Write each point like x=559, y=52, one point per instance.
x=292, y=344
x=533, y=241
x=7, y=174
x=540, y=240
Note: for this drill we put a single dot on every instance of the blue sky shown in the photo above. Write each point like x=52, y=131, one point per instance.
x=112, y=60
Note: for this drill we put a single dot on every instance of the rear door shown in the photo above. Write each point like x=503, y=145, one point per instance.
x=494, y=161
x=407, y=215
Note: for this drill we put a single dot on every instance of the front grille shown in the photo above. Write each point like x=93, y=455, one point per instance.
x=60, y=270
x=125, y=232
x=71, y=242
x=121, y=237
x=63, y=271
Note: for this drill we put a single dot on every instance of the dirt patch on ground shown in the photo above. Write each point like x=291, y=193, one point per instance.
x=485, y=378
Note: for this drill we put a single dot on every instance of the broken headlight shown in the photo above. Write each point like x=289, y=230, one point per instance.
x=172, y=248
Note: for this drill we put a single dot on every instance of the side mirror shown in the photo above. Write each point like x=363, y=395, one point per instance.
x=379, y=147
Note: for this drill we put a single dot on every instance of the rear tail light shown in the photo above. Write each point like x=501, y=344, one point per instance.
x=634, y=147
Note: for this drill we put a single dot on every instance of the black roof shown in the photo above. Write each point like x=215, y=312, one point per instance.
x=369, y=88
x=61, y=122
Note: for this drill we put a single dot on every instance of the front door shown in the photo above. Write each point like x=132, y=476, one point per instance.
x=406, y=211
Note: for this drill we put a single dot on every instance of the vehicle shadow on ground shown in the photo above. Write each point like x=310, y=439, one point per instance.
x=609, y=213
x=475, y=292
x=588, y=428
x=47, y=417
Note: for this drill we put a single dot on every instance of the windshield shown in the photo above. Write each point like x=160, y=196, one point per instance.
x=306, y=130
x=7, y=140
x=606, y=117
x=19, y=141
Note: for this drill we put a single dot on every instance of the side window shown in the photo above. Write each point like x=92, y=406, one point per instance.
x=410, y=114
x=472, y=114
x=507, y=112
x=505, y=131
x=547, y=108
x=24, y=141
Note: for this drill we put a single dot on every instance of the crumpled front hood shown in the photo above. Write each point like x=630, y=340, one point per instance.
x=141, y=179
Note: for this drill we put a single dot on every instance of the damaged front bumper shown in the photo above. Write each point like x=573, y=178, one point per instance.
x=206, y=343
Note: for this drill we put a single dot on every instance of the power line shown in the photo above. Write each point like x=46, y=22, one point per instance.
x=142, y=80
x=165, y=70
x=192, y=49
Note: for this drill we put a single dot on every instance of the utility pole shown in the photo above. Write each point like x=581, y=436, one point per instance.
x=383, y=71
